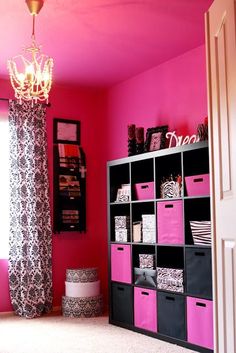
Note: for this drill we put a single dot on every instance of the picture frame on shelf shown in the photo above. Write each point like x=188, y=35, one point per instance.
x=123, y=193
x=66, y=131
x=155, y=138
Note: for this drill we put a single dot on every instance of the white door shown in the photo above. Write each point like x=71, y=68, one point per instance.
x=221, y=53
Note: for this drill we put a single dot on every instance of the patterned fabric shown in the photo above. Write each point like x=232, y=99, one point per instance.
x=122, y=222
x=30, y=272
x=170, y=279
x=82, y=275
x=121, y=234
x=149, y=221
x=82, y=307
x=146, y=260
x=201, y=232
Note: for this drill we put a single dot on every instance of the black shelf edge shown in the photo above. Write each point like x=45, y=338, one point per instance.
x=198, y=246
x=145, y=244
x=172, y=245
x=159, y=153
x=184, y=294
x=163, y=200
x=144, y=287
x=171, y=292
x=169, y=199
x=198, y=296
x=143, y=201
x=160, y=336
x=196, y=197
x=120, y=242
x=160, y=245
x=119, y=203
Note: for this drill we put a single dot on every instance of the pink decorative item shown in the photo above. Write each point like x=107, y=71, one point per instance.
x=145, y=309
x=170, y=222
x=121, y=263
x=197, y=185
x=200, y=322
x=144, y=191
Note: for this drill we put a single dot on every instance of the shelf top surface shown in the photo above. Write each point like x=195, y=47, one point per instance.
x=159, y=153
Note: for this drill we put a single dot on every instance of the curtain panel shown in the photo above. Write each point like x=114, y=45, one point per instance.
x=30, y=253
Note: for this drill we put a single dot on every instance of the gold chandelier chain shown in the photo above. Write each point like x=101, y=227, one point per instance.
x=33, y=30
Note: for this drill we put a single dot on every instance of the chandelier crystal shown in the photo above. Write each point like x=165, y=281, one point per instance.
x=31, y=73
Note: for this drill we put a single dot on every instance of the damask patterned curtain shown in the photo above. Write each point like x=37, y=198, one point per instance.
x=30, y=268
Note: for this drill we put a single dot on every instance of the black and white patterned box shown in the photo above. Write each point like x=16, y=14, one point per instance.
x=148, y=221
x=170, y=279
x=122, y=222
x=121, y=235
x=82, y=275
x=82, y=307
x=146, y=260
x=149, y=236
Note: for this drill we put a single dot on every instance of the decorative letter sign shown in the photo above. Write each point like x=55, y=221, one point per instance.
x=180, y=140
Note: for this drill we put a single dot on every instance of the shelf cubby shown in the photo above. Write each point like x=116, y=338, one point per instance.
x=167, y=167
x=170, y=257
x=118, y=210
x=141, y=172
x=119, y=175
x=195, y=209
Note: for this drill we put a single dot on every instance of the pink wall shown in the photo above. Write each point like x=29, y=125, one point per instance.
x=173, y=93
x=71, y=249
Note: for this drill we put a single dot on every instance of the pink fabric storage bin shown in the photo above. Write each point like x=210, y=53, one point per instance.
x=121, y=263
x=197, y=185
x=145, y=309
x=170, y=222
x=144, y=191
x=200, y=322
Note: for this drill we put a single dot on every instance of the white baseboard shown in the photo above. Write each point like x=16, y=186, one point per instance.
x=11, y=313
x=7, y=313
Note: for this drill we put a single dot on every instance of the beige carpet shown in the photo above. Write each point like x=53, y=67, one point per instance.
x=56, y=334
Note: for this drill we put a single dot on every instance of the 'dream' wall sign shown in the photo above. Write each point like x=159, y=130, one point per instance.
x=181, y=140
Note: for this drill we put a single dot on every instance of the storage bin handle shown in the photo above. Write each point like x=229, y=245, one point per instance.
x=169, y=206
x=170, y=298
x=144, y=293
x=120, y=288
x=144, y=186
x=197, y=180
x=200, y=304
x=120, y=249
x=197, y=253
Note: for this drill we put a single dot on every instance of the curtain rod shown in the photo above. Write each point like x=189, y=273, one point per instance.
x=7, y=100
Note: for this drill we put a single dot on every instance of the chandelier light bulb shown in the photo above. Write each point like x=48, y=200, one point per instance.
x=29, y=71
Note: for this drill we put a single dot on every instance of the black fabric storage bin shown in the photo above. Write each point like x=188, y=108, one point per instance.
x=199, y=272
x=122, y=303
x=171, y=315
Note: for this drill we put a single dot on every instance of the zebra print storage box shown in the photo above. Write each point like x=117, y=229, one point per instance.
x=170, y=279
x=170, y=189
x=201, y=232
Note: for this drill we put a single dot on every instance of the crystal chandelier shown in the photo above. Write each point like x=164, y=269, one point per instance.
x=31, y=74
